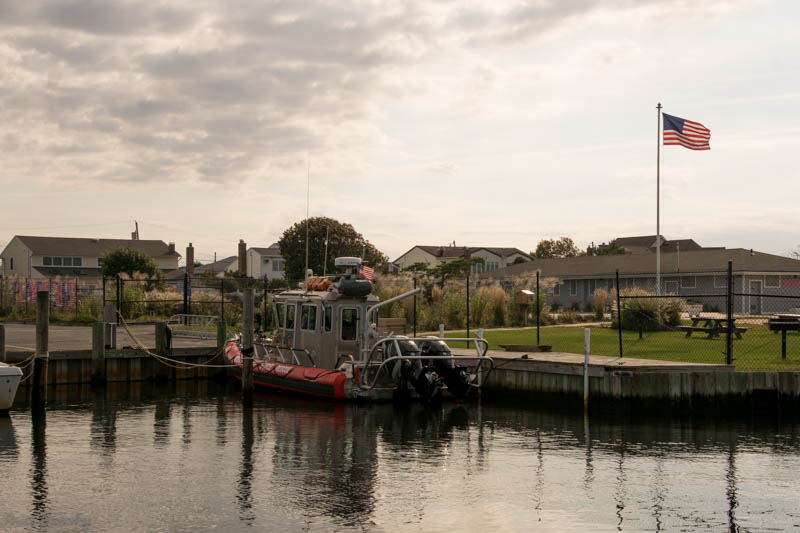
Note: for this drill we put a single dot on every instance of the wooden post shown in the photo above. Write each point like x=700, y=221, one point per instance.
x=162, y=348
x=222, y=337
x=247, y=342
x=2, y=343
x=98, y=353
x=586, y=350
x=42, y=356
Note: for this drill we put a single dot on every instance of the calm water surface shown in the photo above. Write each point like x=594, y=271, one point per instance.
x=189, y=457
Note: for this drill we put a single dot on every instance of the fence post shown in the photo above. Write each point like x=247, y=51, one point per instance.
x=538, y=310
x=415, y=307
x=42, y=357
x=185, y=295
x=247, y=343
x=619, y=317
x=119, y=298
x=729, y=309
x=2, y=343
x=264, y=324
x=441, y=331
x=98, y=353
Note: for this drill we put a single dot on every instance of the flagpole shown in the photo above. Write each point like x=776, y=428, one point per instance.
x=658, y=200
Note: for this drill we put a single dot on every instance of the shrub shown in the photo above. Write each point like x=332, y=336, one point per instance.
x=599, y=299
x=647, y=312
x=568, y=317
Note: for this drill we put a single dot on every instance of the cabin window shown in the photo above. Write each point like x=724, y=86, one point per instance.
x=328, y=318
x=349, y=324
x=280, y=314
x=289, y=316
x=308, y=317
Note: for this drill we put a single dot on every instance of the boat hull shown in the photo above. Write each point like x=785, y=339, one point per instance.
x=286, y=377
x=9, y=382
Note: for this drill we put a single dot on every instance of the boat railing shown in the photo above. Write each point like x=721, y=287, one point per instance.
x=481, y=347
x=292, y=355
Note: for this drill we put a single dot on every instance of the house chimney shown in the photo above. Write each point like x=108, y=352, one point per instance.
x=172, y=248
x=190, y=259
x=242, y=257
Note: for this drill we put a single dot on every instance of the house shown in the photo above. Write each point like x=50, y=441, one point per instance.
x=646, y=244
x=49, y=257
x=265, y=263
x=494, y=258
x=763, y=283
x=218, y=269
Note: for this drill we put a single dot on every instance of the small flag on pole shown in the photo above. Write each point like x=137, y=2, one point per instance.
x=366, y=271
x=691, y=135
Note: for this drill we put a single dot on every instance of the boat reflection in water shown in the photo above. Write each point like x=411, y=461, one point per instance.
x=192, y=456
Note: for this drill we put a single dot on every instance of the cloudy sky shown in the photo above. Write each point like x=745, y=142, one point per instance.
x=493, y=123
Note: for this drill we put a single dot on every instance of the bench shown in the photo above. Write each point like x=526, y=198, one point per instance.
x=712, y=331
x=391, y=325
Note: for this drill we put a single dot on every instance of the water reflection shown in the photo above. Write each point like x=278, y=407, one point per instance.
x=38, y=474
x=332, y=466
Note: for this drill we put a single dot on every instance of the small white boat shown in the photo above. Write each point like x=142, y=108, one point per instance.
x=9, y=381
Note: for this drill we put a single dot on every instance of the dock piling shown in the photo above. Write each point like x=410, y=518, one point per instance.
x=222, y=338
x=247, y=342
x=42, y=357
x=587, y=337
x=98, y=353
x=162, y=348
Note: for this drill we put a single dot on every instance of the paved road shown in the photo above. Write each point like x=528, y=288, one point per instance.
x=22, y=337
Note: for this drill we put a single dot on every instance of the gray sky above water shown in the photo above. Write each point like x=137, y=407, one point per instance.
x=487, y=123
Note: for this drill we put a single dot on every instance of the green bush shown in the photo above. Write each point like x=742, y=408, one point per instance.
x=645, y=313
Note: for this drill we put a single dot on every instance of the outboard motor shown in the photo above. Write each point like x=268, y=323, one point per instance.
x=456, y=378
x=423, y=378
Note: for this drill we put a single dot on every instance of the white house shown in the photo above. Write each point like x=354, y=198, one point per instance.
x=494, y=258
x=265, y=262
x=48, y=257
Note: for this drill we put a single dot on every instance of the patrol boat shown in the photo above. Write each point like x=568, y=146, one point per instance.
x=326, y=345
x=9, y=381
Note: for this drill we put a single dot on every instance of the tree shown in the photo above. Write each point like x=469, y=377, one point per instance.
x=128, y=261
x=519, y=260
x=612, y=248
x=343, y=241
x=555, y=248
x=418, y=268
x=454, y=269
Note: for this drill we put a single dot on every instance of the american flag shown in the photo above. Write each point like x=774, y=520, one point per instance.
x=691, y=135
x=366, y=271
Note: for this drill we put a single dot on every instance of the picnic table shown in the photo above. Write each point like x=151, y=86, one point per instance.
x=712, y=326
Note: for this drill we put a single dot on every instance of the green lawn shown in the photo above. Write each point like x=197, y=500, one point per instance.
x=759, y=349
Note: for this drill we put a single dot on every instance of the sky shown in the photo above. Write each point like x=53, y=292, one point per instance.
x=496, y=123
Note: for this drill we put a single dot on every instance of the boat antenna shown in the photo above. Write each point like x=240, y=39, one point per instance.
x=325, y=262
x=308, y=199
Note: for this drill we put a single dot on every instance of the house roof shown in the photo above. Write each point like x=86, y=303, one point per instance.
x=452, y=252
x=75, y=272
x=92, y=247
x=223, y=265
x=273, y=251
x=699, y=261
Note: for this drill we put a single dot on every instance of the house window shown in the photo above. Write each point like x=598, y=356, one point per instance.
x=99, y=261
x=328, y=318
x=277, y=265
x=720, y=282
x=67, y=261
x=47, y=261
x=349, y=324
x=773, y=282
x=556, y=290
x=11, y=263
x=308, y=317
x=57, y=261
x=289, y=316
x=77, y=261
x=688, y=282
x=573, y=287
x=280, y=314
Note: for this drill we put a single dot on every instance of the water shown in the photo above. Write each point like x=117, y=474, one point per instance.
x=188, y=457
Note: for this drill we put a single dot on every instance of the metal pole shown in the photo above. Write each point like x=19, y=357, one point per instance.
x=538, y=310
x=587, y=334
x=415, y=307
x=264, y=313
x=619, y=317
x=658, y=200
x=222, y=300
x=729, y=306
